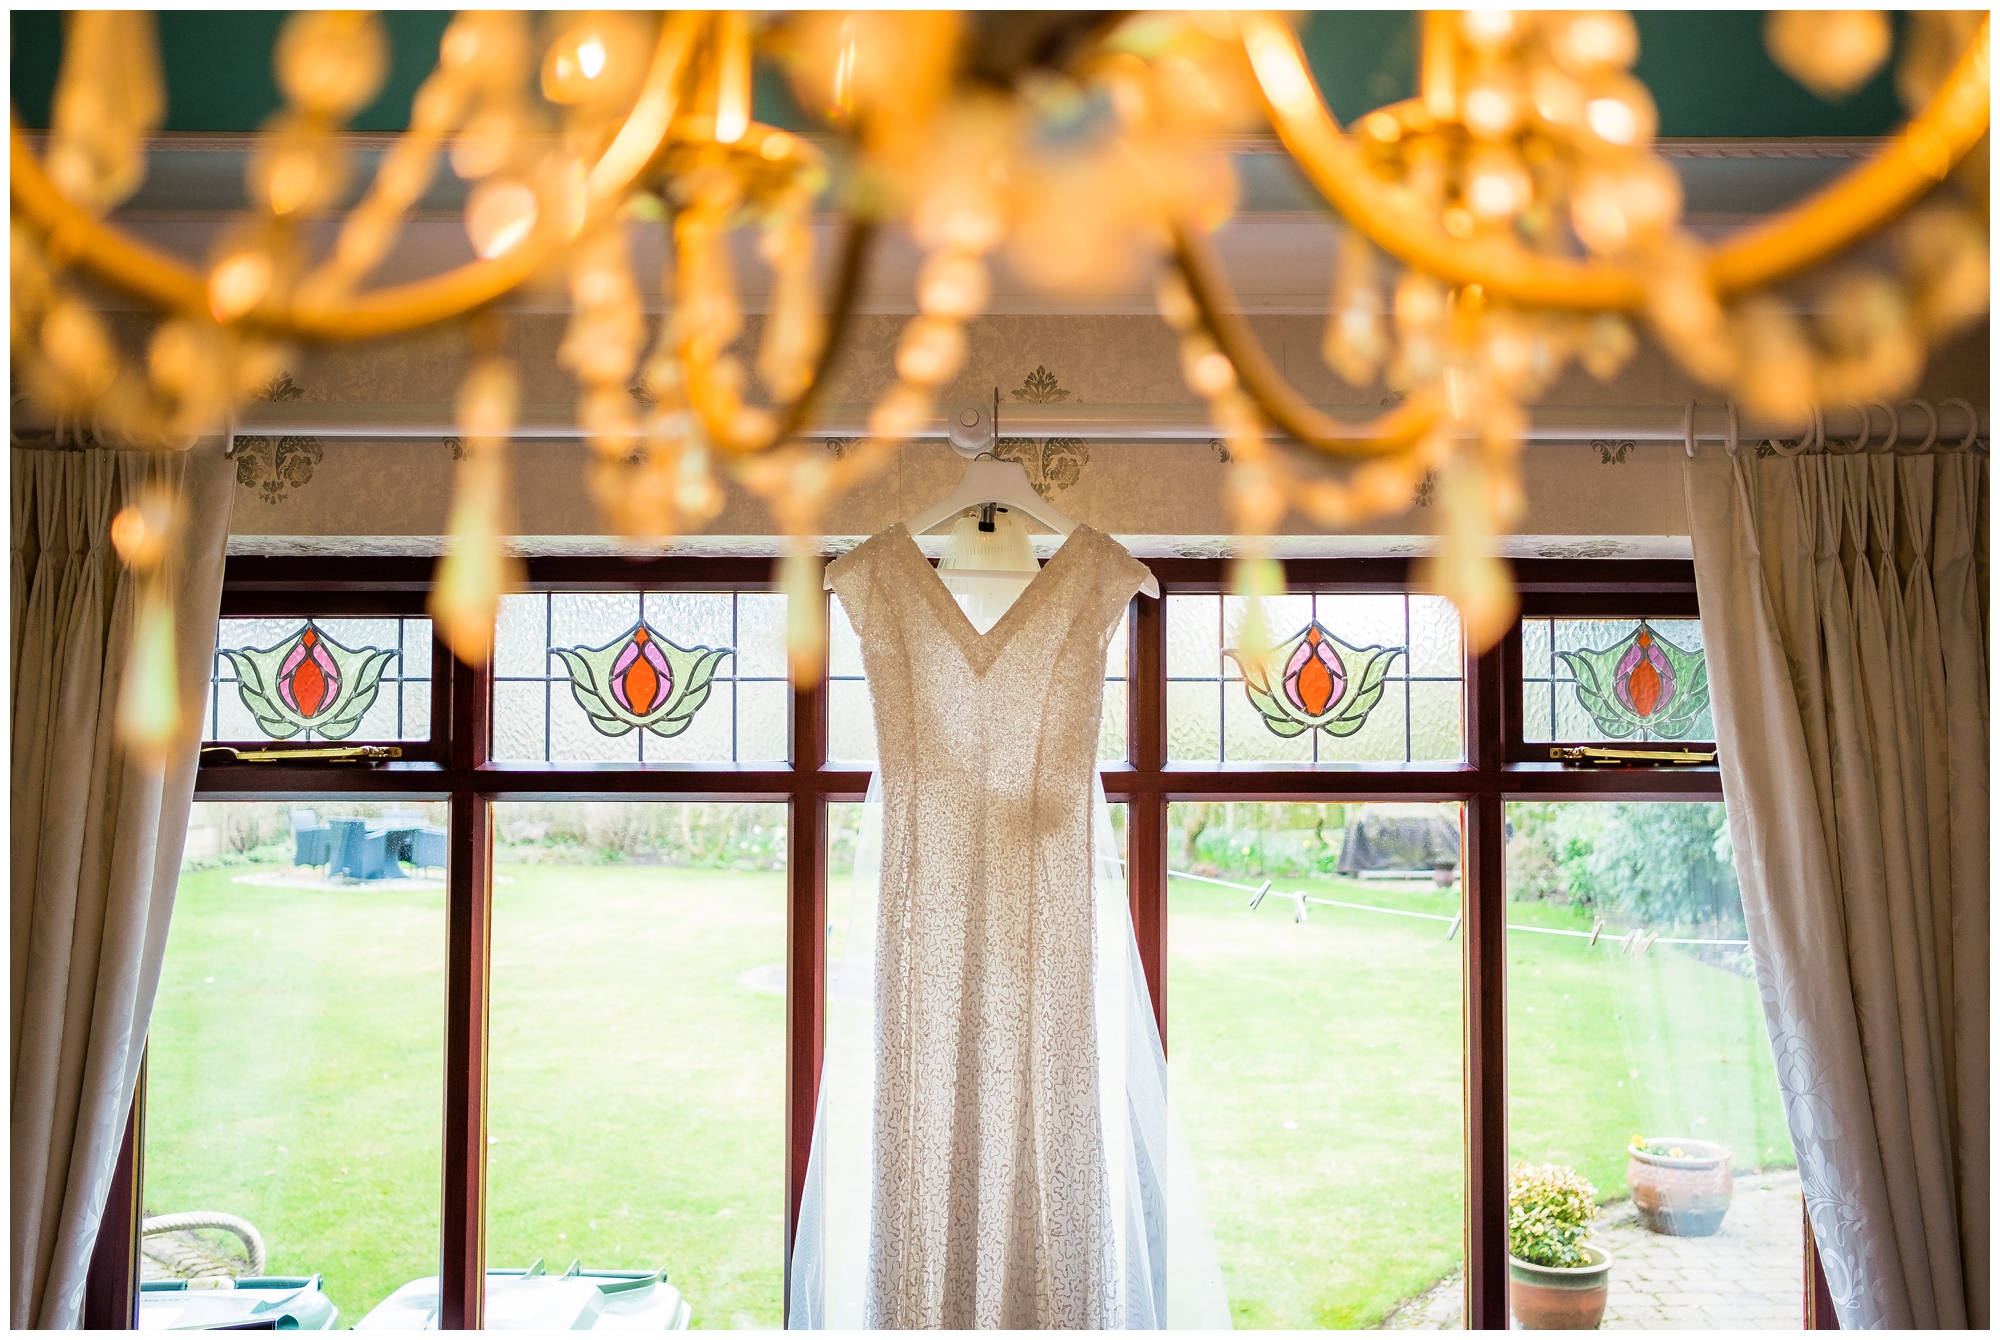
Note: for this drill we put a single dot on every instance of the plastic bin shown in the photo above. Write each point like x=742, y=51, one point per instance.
x=533, y=1300
x=280, y=1302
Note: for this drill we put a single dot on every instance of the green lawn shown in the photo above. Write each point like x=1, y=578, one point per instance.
x=637, y=1080
x=1317, y=1071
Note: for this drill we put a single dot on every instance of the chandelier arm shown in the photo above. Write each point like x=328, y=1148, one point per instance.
x=171, y=284
x=1337, y=169
x=854, y=250
x=1804, y=235
x=75, y=233
x=1280, y=402
x=1875, y=193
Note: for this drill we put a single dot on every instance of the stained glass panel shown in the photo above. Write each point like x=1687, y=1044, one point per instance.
x=300, y=680
x=1353, y=679
x=641, y=677
x=1614, y=679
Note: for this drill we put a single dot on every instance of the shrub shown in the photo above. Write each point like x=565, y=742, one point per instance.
x=1549, y=1209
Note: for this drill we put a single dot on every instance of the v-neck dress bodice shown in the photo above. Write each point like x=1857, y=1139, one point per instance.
x=989, y=1181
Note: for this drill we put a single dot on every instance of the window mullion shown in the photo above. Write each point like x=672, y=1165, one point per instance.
x=468, y=962
x=1146, y=812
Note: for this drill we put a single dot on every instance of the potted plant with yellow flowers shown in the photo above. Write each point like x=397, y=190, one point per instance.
x=1556, y=1280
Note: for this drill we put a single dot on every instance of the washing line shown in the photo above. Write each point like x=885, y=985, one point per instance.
x=1628, y=941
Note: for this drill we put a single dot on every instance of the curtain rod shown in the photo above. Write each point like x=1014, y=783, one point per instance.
x=1956, y=423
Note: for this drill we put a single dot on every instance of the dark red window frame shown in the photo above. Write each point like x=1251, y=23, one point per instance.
x=1498, y=767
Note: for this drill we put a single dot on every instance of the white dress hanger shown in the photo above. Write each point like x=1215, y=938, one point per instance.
x=1005, y=482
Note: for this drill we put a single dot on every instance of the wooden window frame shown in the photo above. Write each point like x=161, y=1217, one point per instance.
x=1498, y=767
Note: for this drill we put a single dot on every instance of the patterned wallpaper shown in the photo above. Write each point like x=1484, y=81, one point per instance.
x=391, y=496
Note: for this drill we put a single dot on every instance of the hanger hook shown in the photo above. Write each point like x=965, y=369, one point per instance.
x=1735, y=441
x=1687, y=429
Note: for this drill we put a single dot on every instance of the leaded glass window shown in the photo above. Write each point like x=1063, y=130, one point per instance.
x=1353, y=679
x=1614, y=679
x=641, y=677
x=299, y=680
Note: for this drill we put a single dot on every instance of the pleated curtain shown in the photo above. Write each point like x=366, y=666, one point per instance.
x=1843, y=608
x=95, y=838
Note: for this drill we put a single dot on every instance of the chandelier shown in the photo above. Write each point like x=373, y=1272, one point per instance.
x=1510, y=219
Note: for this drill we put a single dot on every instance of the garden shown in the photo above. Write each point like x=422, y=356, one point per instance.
x=636, y=1102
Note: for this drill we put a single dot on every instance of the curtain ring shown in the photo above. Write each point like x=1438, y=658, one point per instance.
x=1812, y=437
x=1930, y=439
x=1735, y=444
x=1971, y=432
x=1895, y=433
x=1687, y=429
x=1860, y=443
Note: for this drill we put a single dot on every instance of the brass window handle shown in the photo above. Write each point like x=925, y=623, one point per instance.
x=1592, y=754
x=357, y=753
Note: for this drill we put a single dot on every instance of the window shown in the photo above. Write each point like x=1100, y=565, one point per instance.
x=625, y=856
x=1638, y=1060
x=1313, y=999
x=636, y=1111
x=320, y=680
x=1639, y=680
x=641, y=677
x=296, y=1060
x=1354, y=679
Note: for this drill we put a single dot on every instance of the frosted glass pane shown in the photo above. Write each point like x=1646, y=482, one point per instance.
x=591, y=619
x=1535, y=648
x=760, y=635
x=234, y=721
x=417, y=710
x=692, y=619
x=1535, y=712
x=1363, y=621
x=707, y=737
x=1248, y=740
x=1283, y=616
x=1381, y=740
x=520, y=645
x=572, y=739
x=1191, y=635
x=1116, y=657
x=417, y=649
x=1435, y=648
x=843, y=647
x=1111, y=732
x=517, y=721
x=379, y=721
x=763, y=722
x=850, y=719
x=1437, y=716
x=1193, y=720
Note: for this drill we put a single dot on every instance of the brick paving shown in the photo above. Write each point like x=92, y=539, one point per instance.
x=1745, y=1277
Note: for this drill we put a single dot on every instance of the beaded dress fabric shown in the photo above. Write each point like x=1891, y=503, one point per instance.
x=991, y=1196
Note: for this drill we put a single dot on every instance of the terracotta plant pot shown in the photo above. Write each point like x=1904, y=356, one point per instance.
x=1555, y=1298
x=1684, y=1196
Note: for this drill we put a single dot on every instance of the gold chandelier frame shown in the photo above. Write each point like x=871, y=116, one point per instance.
x=1863, y=200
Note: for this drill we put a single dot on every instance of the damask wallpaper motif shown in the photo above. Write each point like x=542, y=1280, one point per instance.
x=1052, y=463
x=276, y=466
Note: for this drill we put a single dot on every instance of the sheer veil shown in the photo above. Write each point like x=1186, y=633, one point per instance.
x=1159, y=1230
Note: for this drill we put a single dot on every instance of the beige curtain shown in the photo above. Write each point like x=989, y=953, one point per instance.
x=96, y=840
x=1843, y=606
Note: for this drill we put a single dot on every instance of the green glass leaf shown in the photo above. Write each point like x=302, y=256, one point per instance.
x=1316, y=681
x=345, y=694
x=690, y=674
x=1597, y=687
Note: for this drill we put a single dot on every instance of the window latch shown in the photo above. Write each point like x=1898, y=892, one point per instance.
x=1591, y=754
x=358, y=753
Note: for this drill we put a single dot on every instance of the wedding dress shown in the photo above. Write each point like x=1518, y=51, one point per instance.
x=991, y=1144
